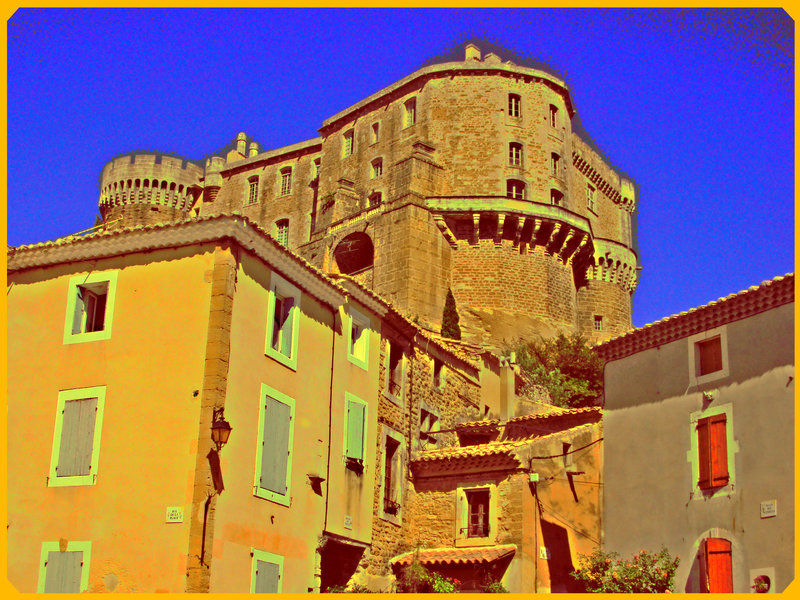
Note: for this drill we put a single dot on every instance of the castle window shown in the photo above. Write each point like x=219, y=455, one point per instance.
x=374, y=133
x=409, y=112
x=598, y=323
x=286, y=181
x=555, y=164
x=514, y=105
x=252, y=196
x=553, y=115
x=556, y=197
x=282, y=232
x=515, y=189
x=376, y=168
x=375, y=199
x=591, y=193
x=347, y=144
x=515, y=154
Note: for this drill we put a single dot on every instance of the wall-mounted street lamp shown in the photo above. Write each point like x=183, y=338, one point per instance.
x=220, y=429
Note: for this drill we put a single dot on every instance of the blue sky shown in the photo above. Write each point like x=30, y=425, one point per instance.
x=697, y=106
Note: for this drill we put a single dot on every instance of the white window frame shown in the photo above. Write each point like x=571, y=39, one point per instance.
x=693, y=455
x=285, y=181
x=515, y=105
x=89, y=279
x=397, y=399
x=72, y=546
x=282, y=240
x=359, y=356
x=515, y=150
x=252, y=190
x=348, y=398
x=348, y=143
x=65, y=396
x=387, y=432
x=280, y=287
x=597, y=320
x=694, y=358
x=284, y=499
x=269, y=557
x=462, y=510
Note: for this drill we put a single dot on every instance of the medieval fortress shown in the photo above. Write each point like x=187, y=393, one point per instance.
x=463, y=176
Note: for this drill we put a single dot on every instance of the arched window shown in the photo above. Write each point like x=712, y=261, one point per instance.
x=515, y=189
x=556, y=197
x=553, y=115
x=409, y=112
x=354, y=253
x=514, y=105
x=282, y=232
x=555, y=164
x=515, y=154
x=376, y=168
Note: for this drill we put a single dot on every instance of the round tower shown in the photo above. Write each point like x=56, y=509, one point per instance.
x=142, y=188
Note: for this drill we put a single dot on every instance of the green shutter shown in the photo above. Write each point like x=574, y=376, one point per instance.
x=77, y=437
x=77, y=315
x=355, y=430
x=267, y=576
x=275, y=445
x=63, y=572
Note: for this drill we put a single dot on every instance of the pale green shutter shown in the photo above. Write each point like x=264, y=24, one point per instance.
x=286, y=327
x=77, y=437
x=267, y=576
x=77, y=315
x=275, y=445
x=63, y=572
x=355, y=430
x=276, y=322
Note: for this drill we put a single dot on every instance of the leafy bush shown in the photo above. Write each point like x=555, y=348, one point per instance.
x=644, y=573
x=356, y=588
x=417, y=579
x=566, y=366
x=494, y=587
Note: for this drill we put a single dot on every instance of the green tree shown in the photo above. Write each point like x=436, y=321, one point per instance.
x=566, y=366
x=603, y=572
x=450, y=318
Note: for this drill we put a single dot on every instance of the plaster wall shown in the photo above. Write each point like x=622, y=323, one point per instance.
x=650, y=495
x=159, y=328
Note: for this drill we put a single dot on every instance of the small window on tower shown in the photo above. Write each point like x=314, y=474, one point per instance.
x=598, y=323
x=410, y=112
x=515, y=189
x=375, y=199
x=282, y=232
x=514, y=105
x=553, y=116
x=374, y=133
x=591, y=193
x=347, y=144
x=515, y=154
x=556, y=197
x=555, y=165
x=376, y=168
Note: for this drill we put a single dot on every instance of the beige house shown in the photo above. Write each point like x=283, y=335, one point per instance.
x=699, y=440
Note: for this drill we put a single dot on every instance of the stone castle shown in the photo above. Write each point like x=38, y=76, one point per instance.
x=465, y=176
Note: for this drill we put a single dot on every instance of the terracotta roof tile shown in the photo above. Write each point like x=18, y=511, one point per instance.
x=455, y=556
x=756, y=299
x=478, y=450
x=478, y=424
x=562, y=412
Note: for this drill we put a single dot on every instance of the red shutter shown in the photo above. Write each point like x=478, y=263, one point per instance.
x=719, y=451
x=703, y=453
x=719, y=567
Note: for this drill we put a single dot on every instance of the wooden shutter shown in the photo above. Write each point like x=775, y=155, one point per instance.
x=704, y=453
x=275, y=445
x=355, y=430
x=267, y=576
x=77, y=437
x=286, y=327
x=276, y=322
x=718, y=450
x=77, y=315
x=719, y=566
x=63, y=572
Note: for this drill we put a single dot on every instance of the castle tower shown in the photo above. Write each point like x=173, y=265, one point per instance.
x=465, y=175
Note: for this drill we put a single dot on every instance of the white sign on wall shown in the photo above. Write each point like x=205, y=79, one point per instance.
x=348, y=522
x=769, y=508
x=174, y=514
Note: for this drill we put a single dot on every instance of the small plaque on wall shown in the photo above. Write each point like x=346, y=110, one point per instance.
x=174, y=514
x=769, y=508
x=348, y=522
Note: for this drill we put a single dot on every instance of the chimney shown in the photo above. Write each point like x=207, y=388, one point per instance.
x=491, y=58
x=253, y=150
x=472, y=52
x=241, y=142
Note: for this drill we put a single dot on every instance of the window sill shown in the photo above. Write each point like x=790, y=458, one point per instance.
x=287, y=361
x=92, y=336
x=359, y=362
x=395, y=399
x=283, y=499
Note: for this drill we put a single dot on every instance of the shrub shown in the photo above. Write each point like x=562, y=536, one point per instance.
x=417, y=579
x=643, y=573
x=450, y=318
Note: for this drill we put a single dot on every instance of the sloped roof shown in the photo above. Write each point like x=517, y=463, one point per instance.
x=454, y=556
x=477, y=450
x=560, y=412
x=746, y=303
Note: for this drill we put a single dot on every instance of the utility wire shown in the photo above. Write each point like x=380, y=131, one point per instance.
x=570, y=452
